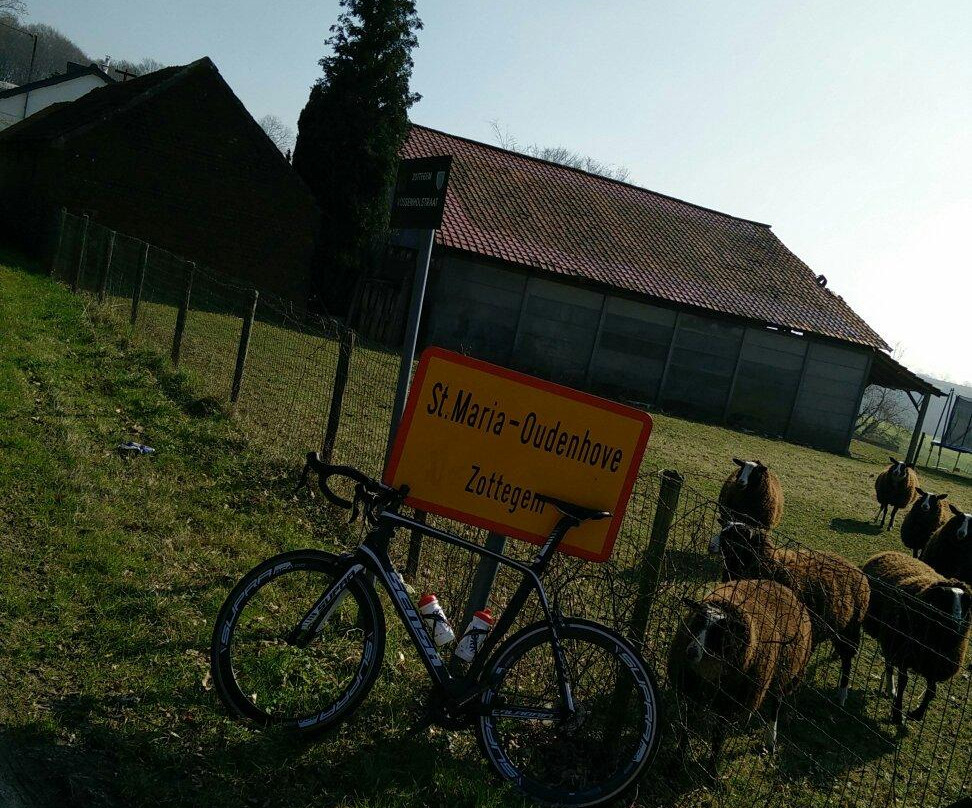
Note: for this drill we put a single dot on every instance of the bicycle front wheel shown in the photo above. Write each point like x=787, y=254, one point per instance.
x=260, y=669
x=585, y=759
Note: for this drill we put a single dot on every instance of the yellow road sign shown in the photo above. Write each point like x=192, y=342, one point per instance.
x=477, y=442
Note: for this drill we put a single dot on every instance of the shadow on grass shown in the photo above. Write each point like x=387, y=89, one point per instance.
x=81, y=759
x=856, y=526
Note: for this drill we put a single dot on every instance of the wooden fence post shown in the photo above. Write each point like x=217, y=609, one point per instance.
x=483, y=578
x=82, y=254
x=341, y=373
x=649, y=570
x=139, y=282
x=244, y=347
x=62, y=222
x=106, y=269
x=414, y=549
x=180, y=326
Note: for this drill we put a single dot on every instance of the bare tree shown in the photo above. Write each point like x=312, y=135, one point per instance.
x=561, y=155
x=281, y=134
x=884, y=412
x=136, y=68
x=13, y=6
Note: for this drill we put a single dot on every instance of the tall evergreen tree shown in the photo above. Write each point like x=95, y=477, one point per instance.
x=349, y=134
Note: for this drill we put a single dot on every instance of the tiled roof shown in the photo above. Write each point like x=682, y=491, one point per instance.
x=568, y=222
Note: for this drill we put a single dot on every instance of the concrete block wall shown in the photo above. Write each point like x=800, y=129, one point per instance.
x=780, y=384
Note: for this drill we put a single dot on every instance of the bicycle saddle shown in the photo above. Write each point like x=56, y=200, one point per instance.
x=578, y=512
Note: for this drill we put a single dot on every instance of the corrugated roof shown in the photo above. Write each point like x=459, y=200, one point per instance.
x=568, y=222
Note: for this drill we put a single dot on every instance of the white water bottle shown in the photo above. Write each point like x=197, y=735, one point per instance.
x=474, y=635
x=435, y=620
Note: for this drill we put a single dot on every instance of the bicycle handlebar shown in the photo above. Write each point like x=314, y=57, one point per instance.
x=364, y=485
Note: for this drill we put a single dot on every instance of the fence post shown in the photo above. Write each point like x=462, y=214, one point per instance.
x=82, y=253
x=414, y=549
x=180, y=326
x=345, y=349
x=60, y=240
x=483, y=578
x=244, y=347
x=106, y=269
x=139, y=282
x=649, y=569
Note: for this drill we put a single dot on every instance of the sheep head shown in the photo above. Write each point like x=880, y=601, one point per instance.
x=750, y=472
x=926, y=501
x=960, y=522
x=953, y=599
x=717, y=637
x=899, y=469
x=742, y=547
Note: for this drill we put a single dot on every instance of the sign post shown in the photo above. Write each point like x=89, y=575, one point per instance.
x=478, y=443
x=418, y=203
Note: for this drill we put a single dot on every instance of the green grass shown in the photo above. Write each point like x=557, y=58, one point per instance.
x=112, y=569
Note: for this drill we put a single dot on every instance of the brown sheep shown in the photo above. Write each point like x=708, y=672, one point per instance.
x=926, y=516
x=949, y=550
x=834, y=591
x=895, y=488
x=752, y=494
x=921, y=621
x=745, y=645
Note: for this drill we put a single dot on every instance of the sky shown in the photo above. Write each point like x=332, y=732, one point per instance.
x=846, y=126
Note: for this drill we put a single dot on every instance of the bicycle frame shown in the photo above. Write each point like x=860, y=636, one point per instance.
x=372, y=556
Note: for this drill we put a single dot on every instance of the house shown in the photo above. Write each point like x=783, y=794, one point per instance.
x=172, y=158
x=17, y=103
x=616, y=289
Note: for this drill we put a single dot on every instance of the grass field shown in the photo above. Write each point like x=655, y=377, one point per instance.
x=111, y=570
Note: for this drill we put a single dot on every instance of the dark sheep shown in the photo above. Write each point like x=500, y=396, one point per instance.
x=895, y=488
x=745, y=645
x=926, y=516
x=921, y=621
x=752, y=494
x=949, y=550
x=834, y=591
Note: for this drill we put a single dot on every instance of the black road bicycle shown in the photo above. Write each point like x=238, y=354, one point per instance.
x=565, y=709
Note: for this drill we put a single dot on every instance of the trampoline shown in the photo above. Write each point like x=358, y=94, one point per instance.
x=957, y=432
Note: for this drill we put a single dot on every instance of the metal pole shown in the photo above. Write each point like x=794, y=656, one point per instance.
x=411, y=335
x=243, y=349
x=483, y=578
x=30, y=71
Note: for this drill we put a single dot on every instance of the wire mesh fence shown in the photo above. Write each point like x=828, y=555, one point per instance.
x=296, y=380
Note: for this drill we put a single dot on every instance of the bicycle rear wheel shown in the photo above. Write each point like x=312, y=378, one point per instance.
x=261, y=673
x=590, y=758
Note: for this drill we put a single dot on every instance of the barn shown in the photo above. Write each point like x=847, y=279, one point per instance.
x=633, y=294
x=173, y=158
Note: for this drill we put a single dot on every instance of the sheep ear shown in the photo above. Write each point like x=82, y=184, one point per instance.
x=955, y=510
x=761, y=464
x=921, y=492
x=692, y=604
x=738, y=462
x=895, y=461
x=940, y=497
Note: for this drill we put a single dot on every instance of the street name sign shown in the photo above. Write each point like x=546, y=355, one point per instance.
x=420, y=193
x=477, y=442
